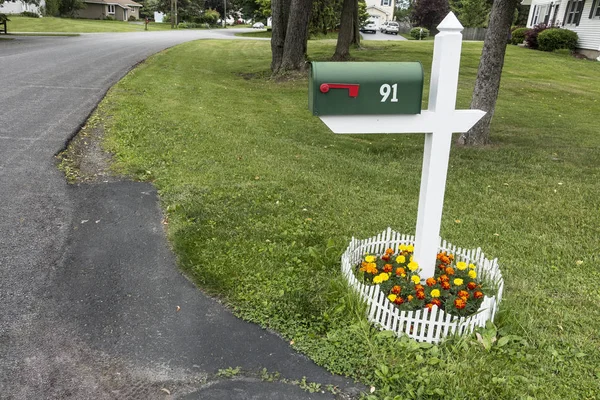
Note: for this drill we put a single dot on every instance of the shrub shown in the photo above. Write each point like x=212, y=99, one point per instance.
x=556, y=38
x=109, y=18
x=518, y=35
x=29, y=14
x=4, y=18
x=210, y=17
x=532, y=35
x=132, y=18
x=419, y=33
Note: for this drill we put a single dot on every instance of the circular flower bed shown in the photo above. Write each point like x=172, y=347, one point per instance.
x=463, y=293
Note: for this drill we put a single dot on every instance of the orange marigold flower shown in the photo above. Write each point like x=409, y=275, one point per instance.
x=460, y=303
x=410, y=297
x=471, y=285
x=444, y=278
x=396, y=289
x=446, y=285
x=445, y=260
x=418, y=286
x=437, y=302
x=389, y=251
x=398, y=300
x=400, y=272
x=420, y=294
x=385, y=257
x=449, y=271
x=463, y=294
x=430, y=281
x=451, y=257
x=428, y=306
x=387, y=268
x=478, y=295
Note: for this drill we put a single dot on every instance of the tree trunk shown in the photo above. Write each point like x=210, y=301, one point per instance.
x=294, y=51
x=487, y=84
x=346, y=33
x=356, y=28
x=280, y=14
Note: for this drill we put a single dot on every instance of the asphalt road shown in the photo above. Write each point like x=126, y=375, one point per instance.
x=89, y=289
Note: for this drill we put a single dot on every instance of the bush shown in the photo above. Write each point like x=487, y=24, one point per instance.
x=109, y=18
x=532, y=35
x=210, y=17
x=29, y=14
x=132, y=18
x=419, y=33
x=518, y=35
x=556, y=38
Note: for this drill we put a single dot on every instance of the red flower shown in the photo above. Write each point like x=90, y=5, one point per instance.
x=471, y=285
x=437, y=302
x=460, y=303
x=446, y=285
x=396, y=289
x=420, y=294
x=385, y=257
x=387, y=267
x=399, y=300
x=430, y=281
x=478, y=295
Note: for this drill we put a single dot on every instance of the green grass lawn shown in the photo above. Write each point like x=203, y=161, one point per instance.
x=52, y=24
x=261, y=200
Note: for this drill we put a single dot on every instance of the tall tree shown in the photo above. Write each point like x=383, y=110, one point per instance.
x=348, y=33
x=471, y=13
x=429, y=13
x=489, y=73
x=289, y=34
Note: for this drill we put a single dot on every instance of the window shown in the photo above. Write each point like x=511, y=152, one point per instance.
x=386, y=3
x=573, y=12
x=595, y=13
x=111, y=8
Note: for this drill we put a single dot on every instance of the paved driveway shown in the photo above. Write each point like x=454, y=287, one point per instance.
x=89, y=289
x=382, y=36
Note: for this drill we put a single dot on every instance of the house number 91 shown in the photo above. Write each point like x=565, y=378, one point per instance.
x=385, y=90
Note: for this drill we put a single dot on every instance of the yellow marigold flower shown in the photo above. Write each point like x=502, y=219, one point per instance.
x=384, y=276
x=410, y=248
x=413, y=265
x=472, y=274
x=377, y=279
x=435, y=293
x=458, y=281
x=415, y=278
x=392, y=297
x=370, y=259
x=471, y=266
x=402, y=247
x=400, y=259
x=461, y=265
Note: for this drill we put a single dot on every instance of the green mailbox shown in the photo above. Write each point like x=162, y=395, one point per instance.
x=365, y=88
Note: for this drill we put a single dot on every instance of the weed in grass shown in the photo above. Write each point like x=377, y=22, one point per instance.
x=229, y=372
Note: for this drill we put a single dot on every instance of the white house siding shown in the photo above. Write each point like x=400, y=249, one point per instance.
x=17, y=7
x=588, y=28
x=380, y=11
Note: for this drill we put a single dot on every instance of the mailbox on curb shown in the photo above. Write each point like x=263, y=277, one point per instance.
x=365, y=88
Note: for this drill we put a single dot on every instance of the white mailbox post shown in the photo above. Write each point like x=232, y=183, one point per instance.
x=437, y=123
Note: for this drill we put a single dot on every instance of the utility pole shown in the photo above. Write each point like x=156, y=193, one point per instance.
x=172, y=14
x=224, y=13
x=176, y=19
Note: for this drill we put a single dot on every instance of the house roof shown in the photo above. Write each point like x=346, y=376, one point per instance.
x=121, y=3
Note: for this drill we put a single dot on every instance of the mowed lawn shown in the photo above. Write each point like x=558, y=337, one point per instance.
x=261, y=199
x=71, y=25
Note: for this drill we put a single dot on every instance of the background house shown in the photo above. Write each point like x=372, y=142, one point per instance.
x=17, y=7
x=581, y=16
x=380, y=11
x=119, y=10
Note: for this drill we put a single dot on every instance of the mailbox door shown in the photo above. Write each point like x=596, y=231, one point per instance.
x=356, y=88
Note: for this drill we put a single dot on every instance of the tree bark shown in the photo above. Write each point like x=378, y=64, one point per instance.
x=294, y=51
x=489, y=73
x=346, y=35
x=280, y=14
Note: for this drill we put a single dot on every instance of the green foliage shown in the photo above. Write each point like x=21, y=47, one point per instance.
x=556, y=38
x=30, y=14
x=51, y=9
x=518, y=35
x=229, y=372
x=325, y=17
x=532, y=34
x=472, y=13
x=4, y=18
x=109, y=18
x=363, y=15
x=264, y=8
x=69, y=8
x=429, y=13
x=419, y=33
x=132, y=18
x=210, y=17
x=262, y=199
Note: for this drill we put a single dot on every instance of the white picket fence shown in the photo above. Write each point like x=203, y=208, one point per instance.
x=421, y=325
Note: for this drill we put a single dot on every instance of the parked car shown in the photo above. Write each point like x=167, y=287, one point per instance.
x=369, y=28
x=382, y=27
x=392, y=27
x=259, y=25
